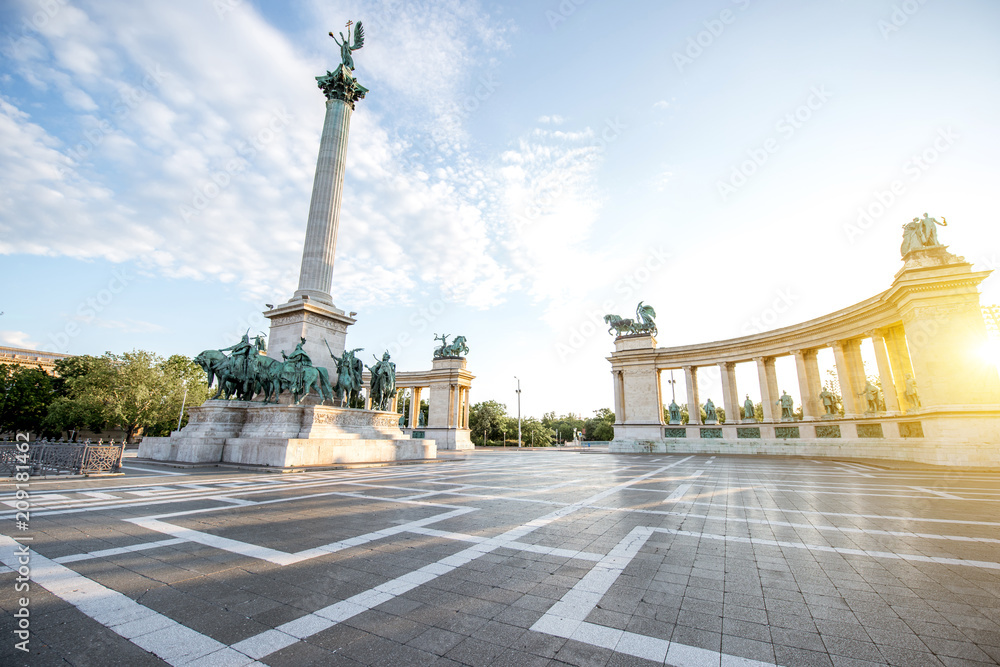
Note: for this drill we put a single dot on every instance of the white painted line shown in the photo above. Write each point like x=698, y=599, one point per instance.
x=677, y=494
x=233, y=501
x=942, y=494
x=567, y=617
x=117, y=551
x=158, y=472
x=100, y=495
x=840, y=550
x=167, y=639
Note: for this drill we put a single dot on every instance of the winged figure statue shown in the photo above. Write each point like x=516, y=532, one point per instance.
x=345, y=43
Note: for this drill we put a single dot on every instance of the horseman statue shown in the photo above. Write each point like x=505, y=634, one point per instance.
x=457, y=348
x=237, y=373
x=347, y=389
x=383, y=383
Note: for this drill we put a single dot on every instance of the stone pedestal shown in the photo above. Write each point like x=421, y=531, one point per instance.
x=284, y=436
x=318, y=323
x=447, y=418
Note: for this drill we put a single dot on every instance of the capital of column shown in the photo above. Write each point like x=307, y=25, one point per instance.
x=339, y=85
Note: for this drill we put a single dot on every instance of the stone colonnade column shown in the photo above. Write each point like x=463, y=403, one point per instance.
x=415, y=406
x=846, y=354
x=730, y=394
x=618, y=382
x=807, y=370
x=899, y=361
x=885, y=375
x=694, y=405
x=768, y=387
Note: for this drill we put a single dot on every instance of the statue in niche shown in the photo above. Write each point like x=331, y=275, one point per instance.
x=710, y=416
x=748, y=411
x=870, y=392
x=345, y=44
x=829, y=401
x=787, y=405
x=675, y=412
x=910, y=392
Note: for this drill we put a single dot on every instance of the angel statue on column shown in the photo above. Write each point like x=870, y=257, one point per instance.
x=345, y=43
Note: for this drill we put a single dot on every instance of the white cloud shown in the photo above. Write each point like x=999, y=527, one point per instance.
x=194, y=149
x=661, y=105
x=18, y=339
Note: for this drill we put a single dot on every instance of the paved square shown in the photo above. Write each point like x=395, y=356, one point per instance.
x=512, y=558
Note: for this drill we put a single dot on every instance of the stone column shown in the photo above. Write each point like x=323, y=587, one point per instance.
x=659, y=394
x=730, y=395
x=616, y=377
x=768, y=388
x=899, y=361
x=843, y=351
x=310, y=313
x=415, y=406
x=316, y=273
x=807, y=369
x=885, y=376
x=694, y=404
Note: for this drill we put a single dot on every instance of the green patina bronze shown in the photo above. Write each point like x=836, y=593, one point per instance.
x=339, y=84
x=383, y=382
x=247, y=372
x=643, y=323
x=345, y=43
x=347, y=390
x=457, y=348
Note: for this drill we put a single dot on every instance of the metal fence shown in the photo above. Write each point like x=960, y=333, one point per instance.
x=60, y=458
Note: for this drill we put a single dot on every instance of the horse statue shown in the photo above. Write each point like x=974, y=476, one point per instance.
x=618, y=325
x=217, y=366
x=641, y=325
x=457, y=348
x=349, y=369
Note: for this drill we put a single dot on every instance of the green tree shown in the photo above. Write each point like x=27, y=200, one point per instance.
x=563, y=426
x=25, y=395
x=534, y=433
x=180, y=376
x=601, y=426
x=486, y=421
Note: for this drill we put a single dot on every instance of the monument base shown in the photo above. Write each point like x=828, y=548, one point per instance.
x=319, y=323
x=285, y=436
x=449, y=438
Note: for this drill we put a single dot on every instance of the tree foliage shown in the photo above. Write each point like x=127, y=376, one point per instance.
x=487, y=420
x=601, y=426
x=25, y=395
x=562, y=427
x=135, y=390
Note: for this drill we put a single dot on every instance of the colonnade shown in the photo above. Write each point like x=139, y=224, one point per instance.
x=926, y=331
x=891, y=355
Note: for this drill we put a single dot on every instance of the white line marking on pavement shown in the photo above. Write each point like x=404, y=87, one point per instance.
x=677, y=494
x=839, y=550
x=167, y=639
x=158, y=472
x=942, y=494
x=567, y=617
x=117, y=551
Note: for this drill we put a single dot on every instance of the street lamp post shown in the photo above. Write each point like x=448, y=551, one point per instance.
x=518, y=410
x=180, y=417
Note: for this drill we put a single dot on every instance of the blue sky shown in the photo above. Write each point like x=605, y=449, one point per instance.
x=517, y=171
